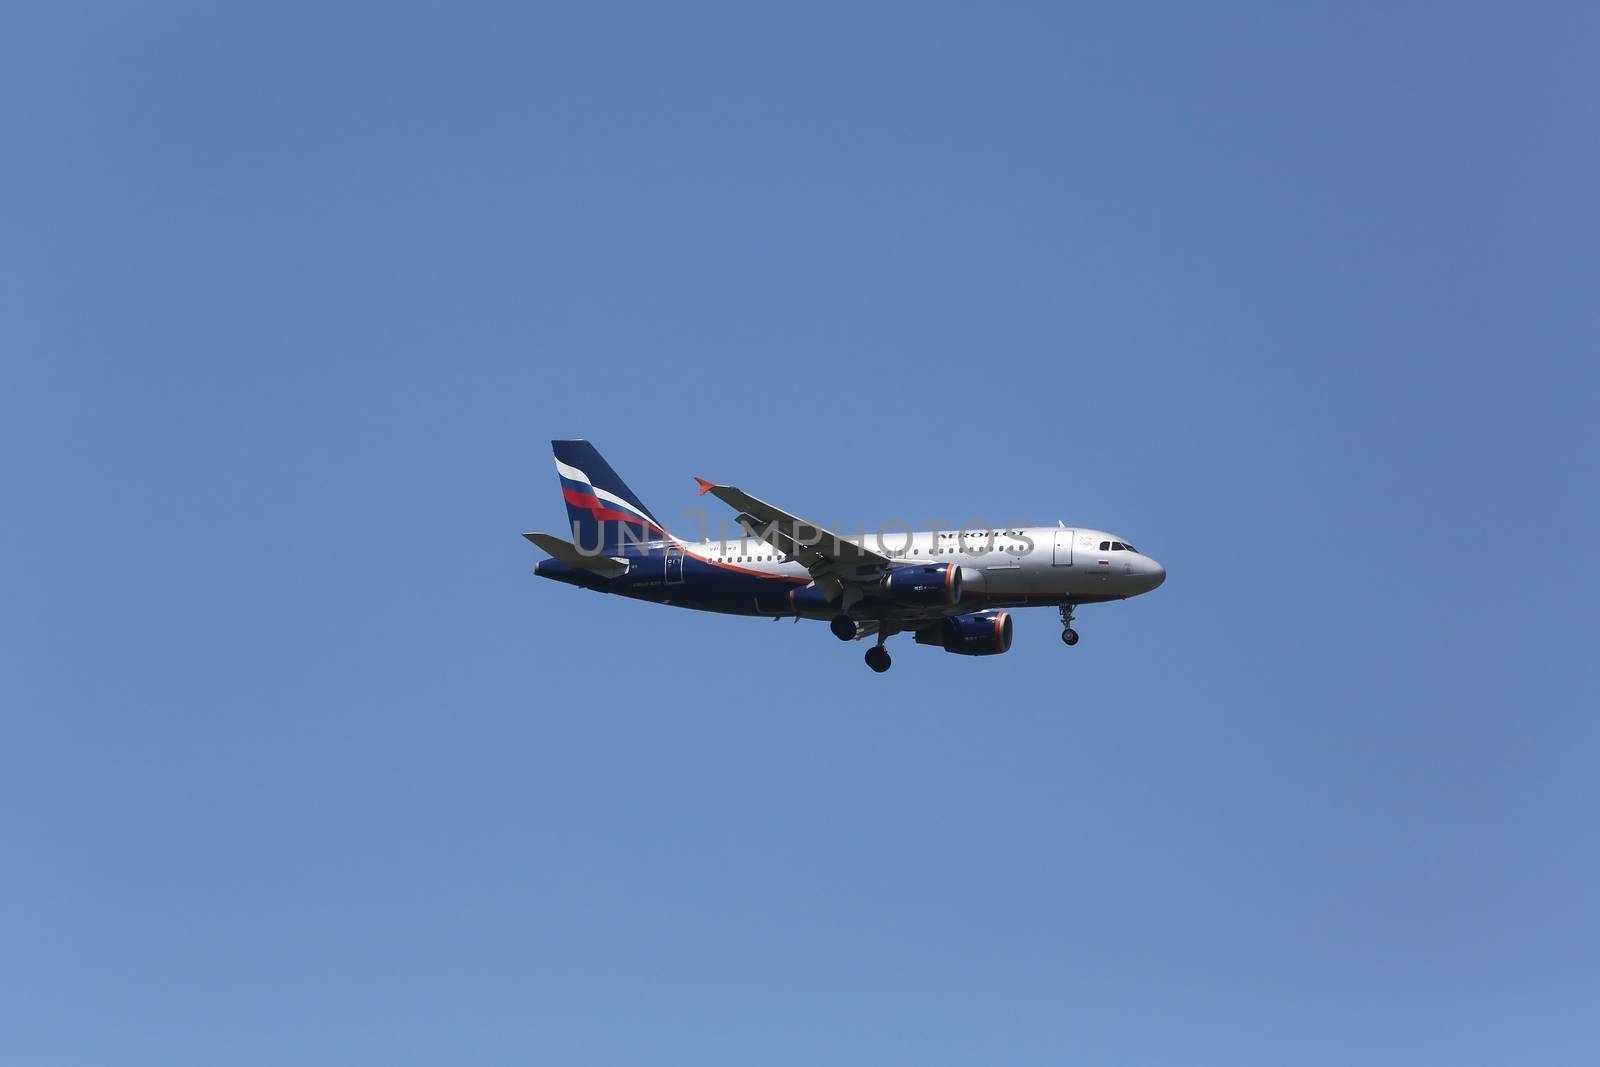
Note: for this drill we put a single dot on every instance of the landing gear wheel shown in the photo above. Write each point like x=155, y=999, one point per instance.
x=843, y=627
x=1069, y=636
x=878, y=658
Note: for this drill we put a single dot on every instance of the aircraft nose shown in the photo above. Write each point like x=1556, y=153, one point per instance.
x=1155, y=573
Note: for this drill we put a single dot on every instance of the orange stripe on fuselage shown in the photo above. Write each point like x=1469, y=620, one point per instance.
x=744, y=570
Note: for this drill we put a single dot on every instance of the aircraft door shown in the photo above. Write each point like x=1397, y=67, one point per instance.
x=673, y=574
x=1063, y=548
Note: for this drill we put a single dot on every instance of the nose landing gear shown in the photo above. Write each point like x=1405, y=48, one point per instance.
x=1069, y=636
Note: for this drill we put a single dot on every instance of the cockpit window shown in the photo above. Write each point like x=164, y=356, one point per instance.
x=1130, y=548
x=1105, y=546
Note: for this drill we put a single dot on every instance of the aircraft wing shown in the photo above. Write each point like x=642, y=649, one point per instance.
x=833, y=561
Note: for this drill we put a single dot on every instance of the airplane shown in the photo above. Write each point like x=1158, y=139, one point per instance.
x=949, y=588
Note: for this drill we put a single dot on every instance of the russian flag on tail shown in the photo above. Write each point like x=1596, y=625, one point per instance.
x=599, y=503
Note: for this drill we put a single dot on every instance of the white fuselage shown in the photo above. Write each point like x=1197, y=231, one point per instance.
x=1037, y=563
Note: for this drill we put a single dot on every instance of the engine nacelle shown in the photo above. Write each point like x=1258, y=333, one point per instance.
x=979, y=633
x=922, y=584
x=808, y=600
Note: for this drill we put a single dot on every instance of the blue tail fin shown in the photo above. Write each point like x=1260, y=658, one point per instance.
x=598, y=502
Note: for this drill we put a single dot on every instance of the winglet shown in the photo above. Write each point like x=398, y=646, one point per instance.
x=705, y=486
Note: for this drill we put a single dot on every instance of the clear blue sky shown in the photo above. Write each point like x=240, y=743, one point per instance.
x=300, y=764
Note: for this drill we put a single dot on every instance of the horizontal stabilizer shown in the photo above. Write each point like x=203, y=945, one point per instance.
x=566, y=552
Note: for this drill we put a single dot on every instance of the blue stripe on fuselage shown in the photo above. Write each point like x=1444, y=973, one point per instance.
x=730, y=589
x=707, y=586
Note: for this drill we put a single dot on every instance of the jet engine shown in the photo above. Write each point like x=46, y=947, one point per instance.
x=922, y=584
x=978, y=633
x=808, y=600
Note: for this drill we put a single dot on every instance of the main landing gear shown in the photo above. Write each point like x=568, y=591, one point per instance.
x=845, y=629
x=1069, y=636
